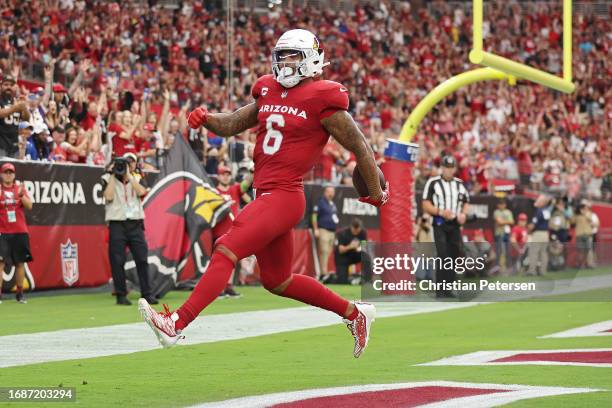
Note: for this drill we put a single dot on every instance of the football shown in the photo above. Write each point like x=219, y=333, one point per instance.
x=361, y=186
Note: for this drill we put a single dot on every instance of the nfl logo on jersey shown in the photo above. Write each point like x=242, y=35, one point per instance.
x=70, y=262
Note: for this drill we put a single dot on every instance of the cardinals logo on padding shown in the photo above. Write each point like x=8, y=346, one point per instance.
x=180, y=211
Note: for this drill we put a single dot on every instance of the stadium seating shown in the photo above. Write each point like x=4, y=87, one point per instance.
x=387, y=54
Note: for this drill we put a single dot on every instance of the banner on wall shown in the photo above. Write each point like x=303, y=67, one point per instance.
x=66, y=220
x=68, y=233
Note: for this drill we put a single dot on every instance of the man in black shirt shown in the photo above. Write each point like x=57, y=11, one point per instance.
x=347, y=249
x=11, y=113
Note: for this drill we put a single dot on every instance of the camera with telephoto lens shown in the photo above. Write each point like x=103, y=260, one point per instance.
x=120, y=167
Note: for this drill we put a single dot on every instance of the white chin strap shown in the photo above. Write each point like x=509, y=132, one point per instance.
x=287, y=78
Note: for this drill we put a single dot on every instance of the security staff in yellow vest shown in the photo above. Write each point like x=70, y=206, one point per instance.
x=124, y=213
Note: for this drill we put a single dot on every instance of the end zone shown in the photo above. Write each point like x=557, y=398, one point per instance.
x=570, y=357
x=430, y=394
x=591, y=330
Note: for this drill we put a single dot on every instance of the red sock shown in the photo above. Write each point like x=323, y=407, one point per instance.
x=19, y=289
x=208, y=288
x=353, y=314
x=311, y=291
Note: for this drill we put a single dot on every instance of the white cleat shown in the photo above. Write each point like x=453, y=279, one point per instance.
x=162, y=323
x=360, y=327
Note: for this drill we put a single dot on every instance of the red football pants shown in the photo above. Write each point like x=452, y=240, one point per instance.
x=264, y=228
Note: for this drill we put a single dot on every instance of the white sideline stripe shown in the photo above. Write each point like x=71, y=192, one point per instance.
x=591, y=330
x=23, y=349
x=516, y=392
x=480, y=358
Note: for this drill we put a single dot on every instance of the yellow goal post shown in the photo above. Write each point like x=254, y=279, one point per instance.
x=498, y=68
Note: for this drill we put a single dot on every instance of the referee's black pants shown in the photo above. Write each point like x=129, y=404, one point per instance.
x=130, y=234
x=447, y=237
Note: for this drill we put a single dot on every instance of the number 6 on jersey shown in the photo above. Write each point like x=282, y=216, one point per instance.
x=273, y=134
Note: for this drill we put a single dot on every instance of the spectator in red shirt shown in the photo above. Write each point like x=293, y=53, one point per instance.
x=89, y=119
x=113, y=71
x=123, y=139
x=518, y=243
x=145, y=144
x=14, y=239
x=234, y=192
x=331, y=153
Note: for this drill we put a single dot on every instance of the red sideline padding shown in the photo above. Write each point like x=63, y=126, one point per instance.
x=92, y=266
x=397, y=216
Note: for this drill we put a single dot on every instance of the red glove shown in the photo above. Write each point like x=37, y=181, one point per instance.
x=197, y=117
x=378, y=203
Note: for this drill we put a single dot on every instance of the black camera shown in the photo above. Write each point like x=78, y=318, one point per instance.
x=120, y=167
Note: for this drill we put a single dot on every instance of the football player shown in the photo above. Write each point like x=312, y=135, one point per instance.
x=295, y=113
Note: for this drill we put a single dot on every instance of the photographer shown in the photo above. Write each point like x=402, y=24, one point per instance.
x=479, y=247
x=125, y=216
x=348, y=251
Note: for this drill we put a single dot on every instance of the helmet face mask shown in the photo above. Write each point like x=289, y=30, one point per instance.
x=286, y=69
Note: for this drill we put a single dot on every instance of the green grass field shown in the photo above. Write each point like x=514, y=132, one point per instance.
x=310, y=358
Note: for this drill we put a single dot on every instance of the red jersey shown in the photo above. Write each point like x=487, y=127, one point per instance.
x=12, y=216
x=142, y=145
x=233, y=192
x=328, y=159
x=520, y=235
x=88, y=122
x=290, y=136
x=122, y=146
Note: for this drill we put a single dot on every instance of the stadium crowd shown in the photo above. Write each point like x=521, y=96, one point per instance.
x=120, y=77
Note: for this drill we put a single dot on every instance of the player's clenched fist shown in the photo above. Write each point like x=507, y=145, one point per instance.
x=197, y=117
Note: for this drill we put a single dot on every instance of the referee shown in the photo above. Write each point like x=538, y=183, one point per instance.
x=446, y=199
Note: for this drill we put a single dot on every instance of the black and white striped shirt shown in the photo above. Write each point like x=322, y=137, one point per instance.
x=446, y=195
